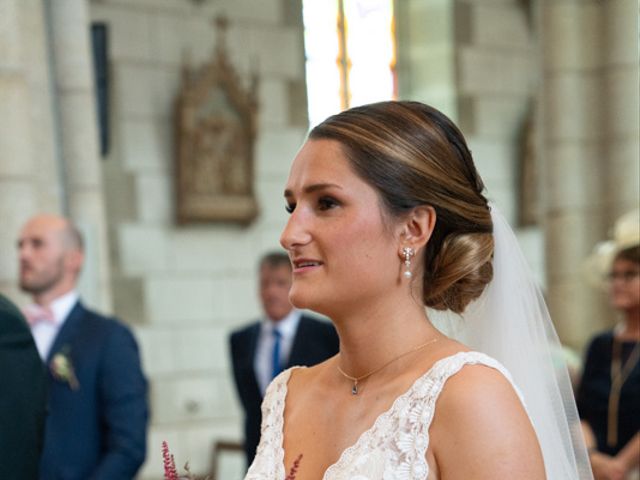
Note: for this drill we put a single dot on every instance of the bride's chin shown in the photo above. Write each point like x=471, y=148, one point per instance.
x=297, y=299
x=304, y=300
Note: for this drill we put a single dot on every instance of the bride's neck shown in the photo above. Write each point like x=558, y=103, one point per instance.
x=379, y=332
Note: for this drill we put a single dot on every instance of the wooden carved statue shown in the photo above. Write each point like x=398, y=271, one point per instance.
x=215, y=120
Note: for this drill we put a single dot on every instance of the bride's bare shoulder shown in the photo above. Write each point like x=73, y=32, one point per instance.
x=480, y=414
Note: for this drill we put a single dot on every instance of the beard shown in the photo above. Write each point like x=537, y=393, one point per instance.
x=42, y=281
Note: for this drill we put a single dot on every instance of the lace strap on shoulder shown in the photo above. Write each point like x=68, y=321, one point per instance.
x=449, y=366
x=268, y=462
x=422, y=403
x=443, y=369
x=273, y=405
x=277, y=384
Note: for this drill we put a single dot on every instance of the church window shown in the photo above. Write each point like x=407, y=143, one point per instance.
x=350, y=54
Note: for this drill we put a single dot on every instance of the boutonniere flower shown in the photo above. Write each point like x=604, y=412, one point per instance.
x=62, y=369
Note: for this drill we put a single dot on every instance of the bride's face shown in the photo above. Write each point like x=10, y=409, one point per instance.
x=342, y=249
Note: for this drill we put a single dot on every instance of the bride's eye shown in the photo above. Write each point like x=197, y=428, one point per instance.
x=327, y=203
x=290, y=207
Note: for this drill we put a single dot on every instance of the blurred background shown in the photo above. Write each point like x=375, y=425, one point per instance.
x=545, y=91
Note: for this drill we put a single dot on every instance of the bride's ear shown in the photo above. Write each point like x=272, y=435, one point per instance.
x=417, y=227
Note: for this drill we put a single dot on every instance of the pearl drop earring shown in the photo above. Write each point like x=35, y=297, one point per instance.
x=408, y=252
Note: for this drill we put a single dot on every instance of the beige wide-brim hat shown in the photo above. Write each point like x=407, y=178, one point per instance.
x=626, y=234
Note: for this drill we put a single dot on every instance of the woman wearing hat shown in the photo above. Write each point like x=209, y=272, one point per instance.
x=609, y=392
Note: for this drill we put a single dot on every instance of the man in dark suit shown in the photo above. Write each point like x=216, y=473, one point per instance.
x=97, y=420
x=283, y=338
x=22, y=397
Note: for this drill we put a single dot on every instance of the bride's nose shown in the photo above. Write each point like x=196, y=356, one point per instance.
x=296, y=231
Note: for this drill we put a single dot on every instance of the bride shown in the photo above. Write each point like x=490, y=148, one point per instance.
x=387, y=217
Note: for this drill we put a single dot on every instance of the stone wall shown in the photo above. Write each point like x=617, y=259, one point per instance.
x=497, y=79
x=477, y=61
x=591, y=149
x=573, y=66
x=29, y=168
x=185, y=288
x=425, y=32
x=48, y=149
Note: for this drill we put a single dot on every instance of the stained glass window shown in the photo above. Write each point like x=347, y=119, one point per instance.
x=350, y=54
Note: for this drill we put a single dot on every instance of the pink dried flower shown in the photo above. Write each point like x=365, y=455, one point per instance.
x=170, y=472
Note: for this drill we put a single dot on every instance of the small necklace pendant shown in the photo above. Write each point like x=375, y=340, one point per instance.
x=354, y=390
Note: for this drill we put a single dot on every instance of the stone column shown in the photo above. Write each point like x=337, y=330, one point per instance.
x=76, y=114
x=622, y=106
x=27, y=158
x=426, y=60
x=590, y=146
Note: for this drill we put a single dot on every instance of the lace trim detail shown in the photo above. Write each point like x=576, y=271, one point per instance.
x=395, y=445
x=269, y=459
x=408, y=421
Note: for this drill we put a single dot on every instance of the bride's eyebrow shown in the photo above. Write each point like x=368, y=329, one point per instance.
x=313, y=188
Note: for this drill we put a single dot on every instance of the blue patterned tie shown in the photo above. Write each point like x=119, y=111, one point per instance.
x=277, y=340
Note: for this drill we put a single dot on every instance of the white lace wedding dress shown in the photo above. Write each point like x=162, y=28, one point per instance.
x=393, y=448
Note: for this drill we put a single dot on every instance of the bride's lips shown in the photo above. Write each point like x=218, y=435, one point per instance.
x=304, y=265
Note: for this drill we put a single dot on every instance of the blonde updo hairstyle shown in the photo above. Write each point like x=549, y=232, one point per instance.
x=413, y=155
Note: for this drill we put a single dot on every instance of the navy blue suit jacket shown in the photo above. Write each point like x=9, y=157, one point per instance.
x=98, y=430
x=314, y=342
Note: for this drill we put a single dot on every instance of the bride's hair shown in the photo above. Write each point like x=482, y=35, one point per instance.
x=412, y=155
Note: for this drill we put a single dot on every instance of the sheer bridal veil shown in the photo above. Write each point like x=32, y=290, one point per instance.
x=510, y=322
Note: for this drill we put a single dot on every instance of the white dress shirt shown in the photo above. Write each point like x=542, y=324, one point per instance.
x=44, y=333
x=263, y=361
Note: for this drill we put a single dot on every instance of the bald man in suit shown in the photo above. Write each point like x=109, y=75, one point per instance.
x=98, y=413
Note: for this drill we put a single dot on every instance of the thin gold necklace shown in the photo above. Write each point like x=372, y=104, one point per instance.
x=355, y=380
